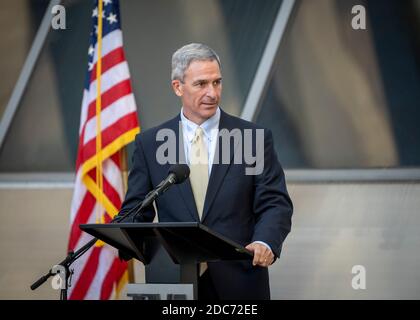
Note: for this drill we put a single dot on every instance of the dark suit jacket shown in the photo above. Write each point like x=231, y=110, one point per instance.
x=244, y=208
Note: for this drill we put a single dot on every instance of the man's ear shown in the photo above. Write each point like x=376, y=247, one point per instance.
x=177, y=87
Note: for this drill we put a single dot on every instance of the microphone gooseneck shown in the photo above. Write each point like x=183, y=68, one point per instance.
x=177, y=173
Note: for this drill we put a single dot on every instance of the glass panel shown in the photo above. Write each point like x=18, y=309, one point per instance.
x=25, y=16
x=345, y=98
x=236, y=29
x=44, y=133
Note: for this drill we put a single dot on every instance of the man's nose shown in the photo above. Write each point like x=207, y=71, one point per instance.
x=211, y=91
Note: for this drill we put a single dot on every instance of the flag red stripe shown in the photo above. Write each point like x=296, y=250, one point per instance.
x=112, y=194
x=87, y=206
x=81, y=217
x=108, y=189
x=87, y=275
x=116, y=271
x=79, y=159
x=118, y=91
x=111, y=133
x=114, y=93
x=124, y=124
x=107, y=218
x=108, y=282
x=116, y=157
x=113, y=58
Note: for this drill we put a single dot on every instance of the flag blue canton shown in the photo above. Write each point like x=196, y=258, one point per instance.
x=110, y=22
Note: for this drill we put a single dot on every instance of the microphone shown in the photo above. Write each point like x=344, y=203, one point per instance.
x=177, y=173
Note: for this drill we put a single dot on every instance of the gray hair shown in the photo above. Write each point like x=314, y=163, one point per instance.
x=183, y=57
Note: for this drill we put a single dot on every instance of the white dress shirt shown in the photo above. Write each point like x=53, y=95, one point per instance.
x=211, y=130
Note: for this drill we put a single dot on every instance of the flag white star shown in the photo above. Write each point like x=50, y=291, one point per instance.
x=90, y=66
x=112, y=18
x=95, y=12
x=96, y=29
x=106, y=2
x=91, y=50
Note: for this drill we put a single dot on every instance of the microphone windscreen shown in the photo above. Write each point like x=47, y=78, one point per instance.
x=181, y=172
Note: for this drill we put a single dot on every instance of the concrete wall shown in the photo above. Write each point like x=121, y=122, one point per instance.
x=33, y=237
x=335, y=226
x=338, y=226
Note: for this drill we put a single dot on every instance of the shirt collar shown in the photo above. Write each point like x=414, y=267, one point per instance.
x=208, y=126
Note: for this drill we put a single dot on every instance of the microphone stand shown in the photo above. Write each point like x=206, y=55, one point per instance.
x=73, y=256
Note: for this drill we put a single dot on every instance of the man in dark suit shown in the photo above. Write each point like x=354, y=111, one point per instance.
x=246, y=201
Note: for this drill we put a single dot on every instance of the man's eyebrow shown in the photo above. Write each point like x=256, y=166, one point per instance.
x=206, y=80
x=201, y=80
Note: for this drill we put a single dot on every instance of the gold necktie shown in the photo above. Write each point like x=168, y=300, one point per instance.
x=199, y=175
x=199, y=170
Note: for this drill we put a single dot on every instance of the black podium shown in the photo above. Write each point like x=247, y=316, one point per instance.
x=170, y=251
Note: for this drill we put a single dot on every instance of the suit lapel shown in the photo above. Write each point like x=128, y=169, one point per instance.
x=185, y=187
x=218, y=171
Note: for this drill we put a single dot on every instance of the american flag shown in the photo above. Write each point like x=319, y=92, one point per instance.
x=108, y=123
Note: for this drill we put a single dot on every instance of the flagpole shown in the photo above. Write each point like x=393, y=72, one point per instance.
x=99, y=177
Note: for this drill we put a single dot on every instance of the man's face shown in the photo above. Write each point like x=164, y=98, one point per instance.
x=200, y=91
